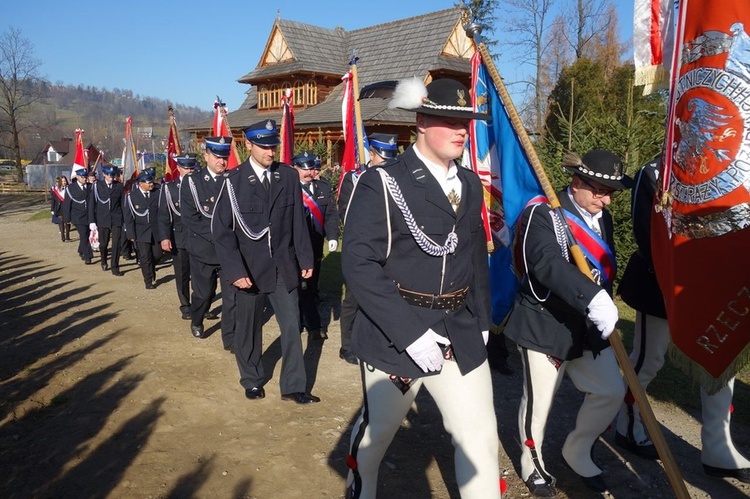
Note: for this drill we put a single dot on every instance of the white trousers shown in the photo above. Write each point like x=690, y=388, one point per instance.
x=599, y=378
x=650, y=344
x=466, y=404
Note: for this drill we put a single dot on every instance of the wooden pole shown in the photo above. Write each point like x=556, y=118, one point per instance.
x=357, y=111
x=647, y=414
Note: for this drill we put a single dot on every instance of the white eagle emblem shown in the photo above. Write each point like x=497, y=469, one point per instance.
x=706, y=125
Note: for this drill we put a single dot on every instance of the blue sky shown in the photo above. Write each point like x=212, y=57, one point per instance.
x=189, y=51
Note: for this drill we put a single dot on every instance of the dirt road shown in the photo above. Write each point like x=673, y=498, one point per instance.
x=104, y=393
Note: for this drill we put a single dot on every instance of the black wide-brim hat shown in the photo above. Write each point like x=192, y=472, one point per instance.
x=601, y=166
x=444, y=97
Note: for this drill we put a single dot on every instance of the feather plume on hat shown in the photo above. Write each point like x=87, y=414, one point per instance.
x=571, y=160
x=409, y=94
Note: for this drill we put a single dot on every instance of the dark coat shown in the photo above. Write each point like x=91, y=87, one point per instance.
x=280, y=210
x=56, y=206
x=169, y=219
x=638, y=286
x=102, y=212
x=199, y=186
x=140, y=215
x=76, y=203
x=556, y=325
x=345, y=193
x=327, y=203
x=386, y=323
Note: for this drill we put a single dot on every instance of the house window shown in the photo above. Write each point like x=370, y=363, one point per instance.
x=274, y=97
x=263, y=97
x=299, y=93
x=304, y=94
x=312, y=93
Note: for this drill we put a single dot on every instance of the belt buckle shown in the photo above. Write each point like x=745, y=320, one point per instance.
x=434, y=301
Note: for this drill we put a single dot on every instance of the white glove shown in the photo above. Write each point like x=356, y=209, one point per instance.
x=332, y=245
x=486, y=337
x=92, y=226
x=426, y=353
x=603, y=313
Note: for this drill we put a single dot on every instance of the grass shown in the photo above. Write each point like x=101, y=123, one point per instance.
x=40, y=215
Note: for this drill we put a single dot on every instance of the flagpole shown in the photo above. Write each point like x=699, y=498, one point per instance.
x=673, y=473
x=357, y=111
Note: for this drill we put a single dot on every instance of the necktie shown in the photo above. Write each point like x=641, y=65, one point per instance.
x=266, y=183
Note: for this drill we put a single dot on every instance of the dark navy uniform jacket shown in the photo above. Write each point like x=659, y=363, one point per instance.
x=280, y=210
x=105, y=214
x=169, y=219
x=552, y=318
x=638, y=286
x=76, y=203
x=197, y=217
x=386, y=323
x=327, y=203
x=140, y=218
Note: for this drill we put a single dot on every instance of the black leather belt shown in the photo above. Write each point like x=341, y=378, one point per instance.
x=448, y=301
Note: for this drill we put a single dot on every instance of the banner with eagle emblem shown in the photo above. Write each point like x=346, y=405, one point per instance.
x=702, y=233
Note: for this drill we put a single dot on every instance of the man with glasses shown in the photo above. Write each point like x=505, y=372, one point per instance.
x=562, y=319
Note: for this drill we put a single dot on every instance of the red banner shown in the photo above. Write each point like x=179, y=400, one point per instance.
x=173, y=149
x=702, y=235
x=287, y=128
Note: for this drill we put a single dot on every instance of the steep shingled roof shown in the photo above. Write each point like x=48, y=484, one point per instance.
x=390, y=51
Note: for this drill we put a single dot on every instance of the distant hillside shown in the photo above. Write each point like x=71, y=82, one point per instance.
x=102, y=113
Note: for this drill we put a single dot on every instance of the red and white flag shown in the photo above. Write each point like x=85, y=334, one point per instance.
x=702, y=234
x=653, y=39
x=287, y=128
x=80, y=158
x=221, y=129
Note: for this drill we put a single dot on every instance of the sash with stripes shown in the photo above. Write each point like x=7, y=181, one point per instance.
x=594, y=248
x=60, y=196
x=311, y=206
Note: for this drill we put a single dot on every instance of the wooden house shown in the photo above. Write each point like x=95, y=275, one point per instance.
x=312, y=60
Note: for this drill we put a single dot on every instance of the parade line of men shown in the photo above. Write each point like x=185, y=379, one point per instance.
x=416, y=312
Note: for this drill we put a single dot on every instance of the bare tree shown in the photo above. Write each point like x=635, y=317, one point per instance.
x=587, y=20
x=526, y=25
x=19, y=89
x=483, y=12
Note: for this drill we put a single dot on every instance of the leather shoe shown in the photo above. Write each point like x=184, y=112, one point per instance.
x=595, y=483
x=300, y=397
x=196, y=331
x=117, y=273
x=229, y=348
x=741, y=474
x=128, y=257
x=186, y=316
x=538, y=487
x=348, y=356
x=318, y=335
x=646, y=451
x=255, y=393
x=211, y=316
x=105, y=268
x=87, y=261
x=150, y=286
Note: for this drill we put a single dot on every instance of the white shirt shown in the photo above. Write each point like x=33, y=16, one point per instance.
x=259, y=170
x=449, y=180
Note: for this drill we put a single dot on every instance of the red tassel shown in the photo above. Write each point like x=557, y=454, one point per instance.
x=351, y=462
x=529, y=443
x=503, y=486
x=731, y=408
